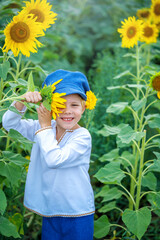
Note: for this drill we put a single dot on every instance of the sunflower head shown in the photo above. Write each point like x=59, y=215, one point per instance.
x=130, y=32
x=144, y=14
x=91, y=100
x=21, y=34
x=41, y=11
x=155, y=82
x=53, y=101
x=57, y=104
x=155, y=10
x=150, y=33
x=46, y=93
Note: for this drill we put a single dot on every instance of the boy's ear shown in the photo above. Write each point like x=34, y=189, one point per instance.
x=83, y=106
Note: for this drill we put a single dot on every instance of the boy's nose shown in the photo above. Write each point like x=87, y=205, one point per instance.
x=67, y=110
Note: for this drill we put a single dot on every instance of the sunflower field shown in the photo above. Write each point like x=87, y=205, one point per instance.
x=116, y=44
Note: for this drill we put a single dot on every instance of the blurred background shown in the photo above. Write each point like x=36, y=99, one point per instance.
x=84, y=38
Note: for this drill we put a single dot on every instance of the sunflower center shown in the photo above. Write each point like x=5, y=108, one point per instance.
x=156, y=83
x=148, y=31
x=37, y=13
x=20, y=32
x=157, y=9
x=131, y=32
x=145, y=14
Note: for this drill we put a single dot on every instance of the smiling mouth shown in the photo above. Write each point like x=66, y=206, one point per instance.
x=67, y=119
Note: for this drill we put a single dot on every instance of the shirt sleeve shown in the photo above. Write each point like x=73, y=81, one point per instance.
x=12, y=120
x=75, y=152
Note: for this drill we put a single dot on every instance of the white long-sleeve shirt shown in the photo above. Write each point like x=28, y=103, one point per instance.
x=57, y=182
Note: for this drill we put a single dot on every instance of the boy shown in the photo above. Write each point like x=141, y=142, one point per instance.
x=58, y=184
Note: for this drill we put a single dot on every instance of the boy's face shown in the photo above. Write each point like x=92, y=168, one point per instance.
x=71, y=115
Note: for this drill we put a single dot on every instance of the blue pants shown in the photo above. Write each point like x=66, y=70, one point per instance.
x=68, y=228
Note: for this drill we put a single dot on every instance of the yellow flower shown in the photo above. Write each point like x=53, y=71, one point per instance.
x=91, y=100
x=150, y=33
x=21, y=35
x=27, y=157
x=41, y=10
x=155, y=10
x=131, y=32
x=26, y=166
x=53, y=85
x=144, y=14
x=158, y=25
x=155, y=83
x=158, y=95
x=57, y=103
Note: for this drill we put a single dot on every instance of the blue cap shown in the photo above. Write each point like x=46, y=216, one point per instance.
x=72, y=83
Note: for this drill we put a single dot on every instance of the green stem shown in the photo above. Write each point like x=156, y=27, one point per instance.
x=7, y=143
x=129, y=90
x=18, y=65
x=125, y=159
x=148, y=55
x=116, y=225
x=135, y=115
x=145, y=193
x=157, y=135
x=140, y=172
x=1, y=88
x=143, y=112
x=151, y=104
x=138, y=71
x=1, y=83
x=135, y=153
x=134, y=174
x=12, y=99
x=130, y=176
x=131, y=198
x=146, y=169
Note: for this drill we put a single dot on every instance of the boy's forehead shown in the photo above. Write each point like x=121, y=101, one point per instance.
x=73, y=97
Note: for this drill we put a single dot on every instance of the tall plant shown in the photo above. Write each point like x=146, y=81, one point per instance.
x=129, y=171
x=21, y=38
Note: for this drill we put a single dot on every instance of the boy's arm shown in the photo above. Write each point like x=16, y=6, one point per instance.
x=76, y=152
x=32, y=97
x=12, y=120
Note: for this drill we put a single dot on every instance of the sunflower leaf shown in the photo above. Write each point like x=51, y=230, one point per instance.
x=122, y=74
x=101, y=226
x=47, y=105
x=30, y=85
x=4, y=67
x=137, y=221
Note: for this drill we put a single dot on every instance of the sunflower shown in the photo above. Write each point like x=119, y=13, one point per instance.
x=158, y=25
x=150, y=33
x=26, y=166
x=155, y=10
x=57, y=103
x=41, y=10
x=144, y=14
x=155, y=83
x=21, y=35
x=91, y=100
x=131, y=32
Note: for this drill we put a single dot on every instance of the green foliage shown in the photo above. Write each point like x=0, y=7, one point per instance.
x=30, y=84
x=130, y=174
x=7, y=228
x=137, y=221
x=84, y=38
x=101, y=226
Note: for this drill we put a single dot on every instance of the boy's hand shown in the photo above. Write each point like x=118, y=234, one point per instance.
x=44, y=116
x=32, y=97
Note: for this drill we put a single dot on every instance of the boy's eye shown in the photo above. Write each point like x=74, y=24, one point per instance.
x=75, y=105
